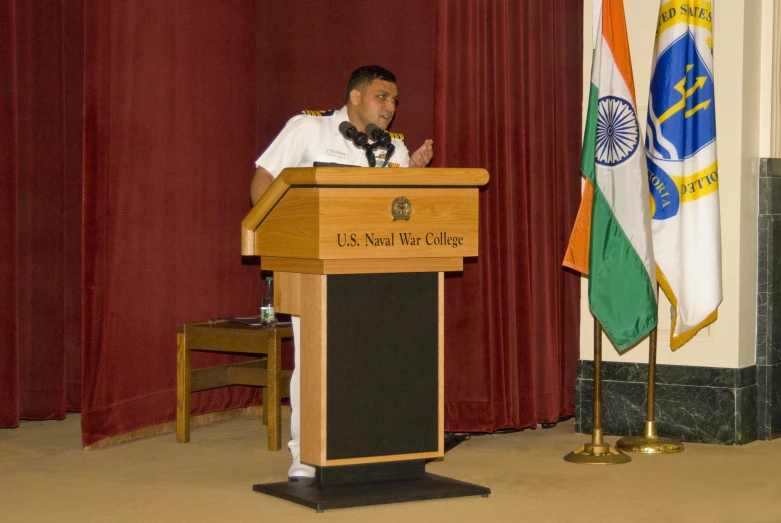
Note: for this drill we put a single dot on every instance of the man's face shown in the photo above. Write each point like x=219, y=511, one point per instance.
x=375, y=104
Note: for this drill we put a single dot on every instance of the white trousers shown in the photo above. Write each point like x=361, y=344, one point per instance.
x=295, y=389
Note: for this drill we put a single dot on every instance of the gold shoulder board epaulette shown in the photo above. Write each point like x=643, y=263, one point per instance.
x=397, y=136
x=319, y=113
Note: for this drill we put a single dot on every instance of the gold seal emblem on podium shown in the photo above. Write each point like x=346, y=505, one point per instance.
x=401, y=208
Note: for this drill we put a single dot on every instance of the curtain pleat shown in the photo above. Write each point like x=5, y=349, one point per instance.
x=9, y=224
x=34, y=361
x=73, y=118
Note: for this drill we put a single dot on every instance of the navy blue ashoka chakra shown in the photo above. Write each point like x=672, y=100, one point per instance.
x=617, y=131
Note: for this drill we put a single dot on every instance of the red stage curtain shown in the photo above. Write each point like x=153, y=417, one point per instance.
x=178, y=100
x=507, y=92
x=169, y=143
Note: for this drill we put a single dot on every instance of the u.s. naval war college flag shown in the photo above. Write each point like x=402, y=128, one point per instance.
x=682, y=169
x=611, y=239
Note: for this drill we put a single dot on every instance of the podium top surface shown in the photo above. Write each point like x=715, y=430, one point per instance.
x=359, y=177
x=397, y=176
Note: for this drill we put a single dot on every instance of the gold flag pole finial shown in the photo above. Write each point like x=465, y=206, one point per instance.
x=597, y=452
x=650, y=442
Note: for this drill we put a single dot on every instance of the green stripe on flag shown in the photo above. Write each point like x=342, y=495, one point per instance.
x=620, y=293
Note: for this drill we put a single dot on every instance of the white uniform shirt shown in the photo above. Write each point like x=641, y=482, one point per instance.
x=307, y=139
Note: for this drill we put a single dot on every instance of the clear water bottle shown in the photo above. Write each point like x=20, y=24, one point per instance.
x=267, y=316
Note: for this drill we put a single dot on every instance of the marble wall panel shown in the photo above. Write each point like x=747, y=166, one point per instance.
x=768, y=340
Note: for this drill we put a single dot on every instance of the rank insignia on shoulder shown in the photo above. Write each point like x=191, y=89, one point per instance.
x=397, y=136
x=319, y=113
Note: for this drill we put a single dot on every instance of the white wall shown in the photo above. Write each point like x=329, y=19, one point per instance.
x=742, y=66
x=765, y=50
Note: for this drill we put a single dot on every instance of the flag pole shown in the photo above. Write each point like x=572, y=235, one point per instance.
x=650, y=442
x=597, y=452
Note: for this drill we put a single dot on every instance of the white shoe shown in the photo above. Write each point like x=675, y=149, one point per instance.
x=298, y=470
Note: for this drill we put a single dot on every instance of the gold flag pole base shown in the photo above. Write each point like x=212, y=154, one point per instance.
x=649, y=442
x=597, y=453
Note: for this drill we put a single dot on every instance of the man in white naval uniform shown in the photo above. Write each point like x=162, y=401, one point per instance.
x=314, y=137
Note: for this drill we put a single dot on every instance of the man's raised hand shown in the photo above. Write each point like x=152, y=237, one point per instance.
x=422, y=156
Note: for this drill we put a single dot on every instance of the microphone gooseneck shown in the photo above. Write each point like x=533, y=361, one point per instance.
x=381, y=139
x=388, y=153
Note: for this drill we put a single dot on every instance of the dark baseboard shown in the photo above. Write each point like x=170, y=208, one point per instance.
x=694, y=404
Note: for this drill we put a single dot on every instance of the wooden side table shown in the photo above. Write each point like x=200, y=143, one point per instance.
x=234, y=338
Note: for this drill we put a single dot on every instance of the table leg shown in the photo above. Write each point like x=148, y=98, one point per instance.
x=182, y=388
x=271, y=399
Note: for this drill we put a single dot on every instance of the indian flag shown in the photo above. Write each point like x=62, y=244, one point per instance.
x=611, y=239
x=682, y=168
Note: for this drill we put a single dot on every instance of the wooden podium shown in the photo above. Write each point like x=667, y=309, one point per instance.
x=360, y=254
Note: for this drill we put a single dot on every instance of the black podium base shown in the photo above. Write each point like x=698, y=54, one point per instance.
x=337, y=491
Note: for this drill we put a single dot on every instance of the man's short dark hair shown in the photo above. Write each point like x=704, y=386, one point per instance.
x=365, y=75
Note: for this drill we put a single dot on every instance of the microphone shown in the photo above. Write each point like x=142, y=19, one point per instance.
x=349, y=131
x=382, y=138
